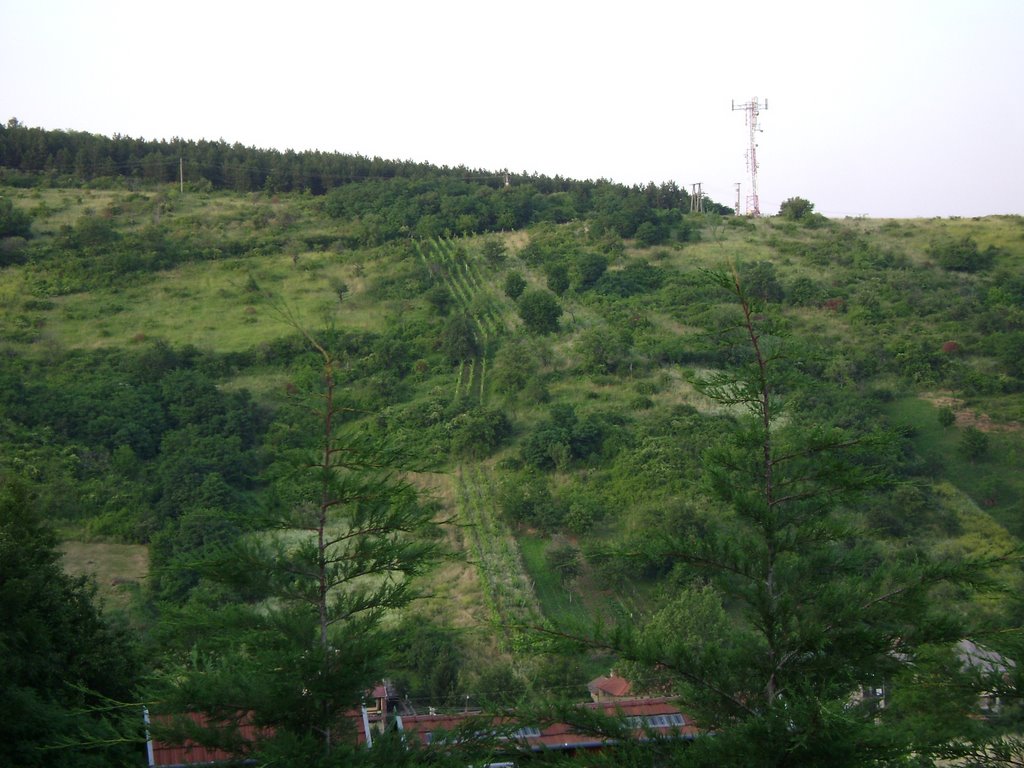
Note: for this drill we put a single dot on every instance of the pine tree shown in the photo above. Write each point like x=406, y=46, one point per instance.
x=287, y=633
x=66, y=673
x=817, y=607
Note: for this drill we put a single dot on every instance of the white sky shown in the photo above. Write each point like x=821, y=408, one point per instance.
x=886, y=108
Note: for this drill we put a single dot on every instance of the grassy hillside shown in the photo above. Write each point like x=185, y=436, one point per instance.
x=537, y=442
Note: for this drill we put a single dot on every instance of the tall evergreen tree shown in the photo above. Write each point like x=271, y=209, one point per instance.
x=817, y=607
x=288, y=633
x=66, y=673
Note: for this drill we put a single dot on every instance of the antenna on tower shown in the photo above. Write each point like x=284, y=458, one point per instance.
x=752, y=109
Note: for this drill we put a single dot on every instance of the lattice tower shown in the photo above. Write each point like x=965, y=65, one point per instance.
x=752, y=109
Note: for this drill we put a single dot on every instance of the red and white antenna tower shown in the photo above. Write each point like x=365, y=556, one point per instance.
x=753, y=109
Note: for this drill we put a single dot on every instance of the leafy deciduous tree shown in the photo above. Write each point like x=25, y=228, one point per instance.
x=796, y=209
x=458, y=339
x=515, y=284
x=14, y=222
x=539, y=311
x=587, y=269
x=962, y=255
x=557, y=276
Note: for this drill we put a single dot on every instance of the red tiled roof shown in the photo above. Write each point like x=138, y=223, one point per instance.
x=612, y=686
x=166, y=755
x=654, y=715
x=643, y=715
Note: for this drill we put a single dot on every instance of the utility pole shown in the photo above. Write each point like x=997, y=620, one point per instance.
x=752, y=109
x=696, y=198
x=737, y=197
x=181, y=173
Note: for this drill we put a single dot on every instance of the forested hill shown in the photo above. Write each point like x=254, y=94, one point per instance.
x=585, y=386
x=402, y=197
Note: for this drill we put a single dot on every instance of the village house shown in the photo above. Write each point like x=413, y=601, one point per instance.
x=643, y=718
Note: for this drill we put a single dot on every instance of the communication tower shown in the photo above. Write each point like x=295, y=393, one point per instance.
x=752, y=109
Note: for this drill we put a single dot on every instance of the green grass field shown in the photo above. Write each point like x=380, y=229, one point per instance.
x=560, y=603
x=212, y=305
x=119, y=570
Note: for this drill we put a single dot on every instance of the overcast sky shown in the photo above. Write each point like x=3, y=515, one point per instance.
x=885, y=108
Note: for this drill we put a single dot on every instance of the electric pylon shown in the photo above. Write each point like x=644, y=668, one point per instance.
x=696, y=198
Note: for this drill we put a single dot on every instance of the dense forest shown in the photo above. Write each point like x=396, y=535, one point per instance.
x=278, y=426
x=390, y=198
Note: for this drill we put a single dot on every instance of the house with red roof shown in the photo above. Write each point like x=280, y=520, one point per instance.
x=175, y=753
x=609, y=688
x=645, y=718
x=642, y=718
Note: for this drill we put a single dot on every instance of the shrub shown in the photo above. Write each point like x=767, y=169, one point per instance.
x=539, y=311
x=564, y=559
x=973, y=444
x=493, y=250
x=796, y=209
x=602, y=350
x=515, y=284
x=557, y=278
x=479, y=432
x=803, y=292
x=962, y=255
x=525, y=498
x=946, y=417
x=587, y=269
x=761, y=282
x=649, y=233
x=583, y=512
x=14, y=222
x=12, y=250
x=639, y=277
x=458, y=339
x=440, y=298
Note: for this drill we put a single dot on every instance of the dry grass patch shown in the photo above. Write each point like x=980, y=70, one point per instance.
x=966, y=417
x=455, y=593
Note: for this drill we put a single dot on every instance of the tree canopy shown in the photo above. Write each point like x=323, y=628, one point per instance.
x=539, y=311
x=67, y=675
